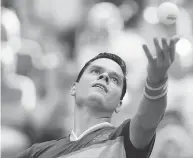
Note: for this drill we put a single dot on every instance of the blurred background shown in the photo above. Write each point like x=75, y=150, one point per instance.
x=44, y=44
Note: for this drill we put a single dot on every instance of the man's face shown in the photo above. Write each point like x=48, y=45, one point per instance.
x=100, y=85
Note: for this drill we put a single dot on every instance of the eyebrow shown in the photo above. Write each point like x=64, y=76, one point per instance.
x=117, y=75
x=111, y=72
x=96, y=66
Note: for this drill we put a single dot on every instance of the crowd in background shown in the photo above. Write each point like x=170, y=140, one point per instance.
x=45, y=43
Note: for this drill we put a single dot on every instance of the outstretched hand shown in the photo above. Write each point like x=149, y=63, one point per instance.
x=159, y=65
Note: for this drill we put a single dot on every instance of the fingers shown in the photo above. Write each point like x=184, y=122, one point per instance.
x=159, y=51
x=165, y=53
x=172, y=48
x=166, y=49
x=147, y=53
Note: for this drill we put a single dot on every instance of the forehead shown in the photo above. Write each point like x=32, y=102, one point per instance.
x=108, y=65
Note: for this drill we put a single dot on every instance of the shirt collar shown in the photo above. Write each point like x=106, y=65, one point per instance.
x=73, y=136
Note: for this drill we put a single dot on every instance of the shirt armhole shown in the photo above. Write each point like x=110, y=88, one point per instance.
x=131, y=151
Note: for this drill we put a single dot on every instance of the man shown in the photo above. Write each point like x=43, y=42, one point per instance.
x=98, y=92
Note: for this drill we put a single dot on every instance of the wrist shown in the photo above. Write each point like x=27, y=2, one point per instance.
x=157, y=83
x=155, y=90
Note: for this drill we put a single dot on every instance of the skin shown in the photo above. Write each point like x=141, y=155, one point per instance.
x=94, y=106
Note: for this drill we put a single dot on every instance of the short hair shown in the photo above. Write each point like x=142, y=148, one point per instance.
x=113, y=57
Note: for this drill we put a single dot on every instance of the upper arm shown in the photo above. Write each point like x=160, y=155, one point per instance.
x=132, y=151
x=139, y=136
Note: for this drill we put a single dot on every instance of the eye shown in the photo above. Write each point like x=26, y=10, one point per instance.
x=115, y=80
x=95, y=71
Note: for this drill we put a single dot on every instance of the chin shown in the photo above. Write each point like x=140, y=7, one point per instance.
x=96, y=98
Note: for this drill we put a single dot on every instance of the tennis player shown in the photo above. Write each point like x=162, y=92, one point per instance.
x=98, y=93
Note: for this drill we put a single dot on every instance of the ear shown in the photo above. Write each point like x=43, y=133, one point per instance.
x=73, y=89
x=120, y=104
x=118, y=107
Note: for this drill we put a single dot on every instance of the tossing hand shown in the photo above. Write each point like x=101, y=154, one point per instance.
x=159, y=65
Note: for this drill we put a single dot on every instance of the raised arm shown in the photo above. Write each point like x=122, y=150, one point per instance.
x=154, y=100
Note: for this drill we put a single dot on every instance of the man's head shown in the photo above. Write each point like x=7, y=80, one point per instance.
x=102, y=82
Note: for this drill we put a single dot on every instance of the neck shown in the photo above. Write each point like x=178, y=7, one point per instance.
x=85, y=118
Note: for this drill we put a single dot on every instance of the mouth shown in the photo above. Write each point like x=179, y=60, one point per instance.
x=101, y=86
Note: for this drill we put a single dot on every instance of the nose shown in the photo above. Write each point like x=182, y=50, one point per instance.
x=104, y=77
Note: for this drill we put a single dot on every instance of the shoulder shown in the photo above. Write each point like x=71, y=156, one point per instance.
x=121, y=130
x=39, y=148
